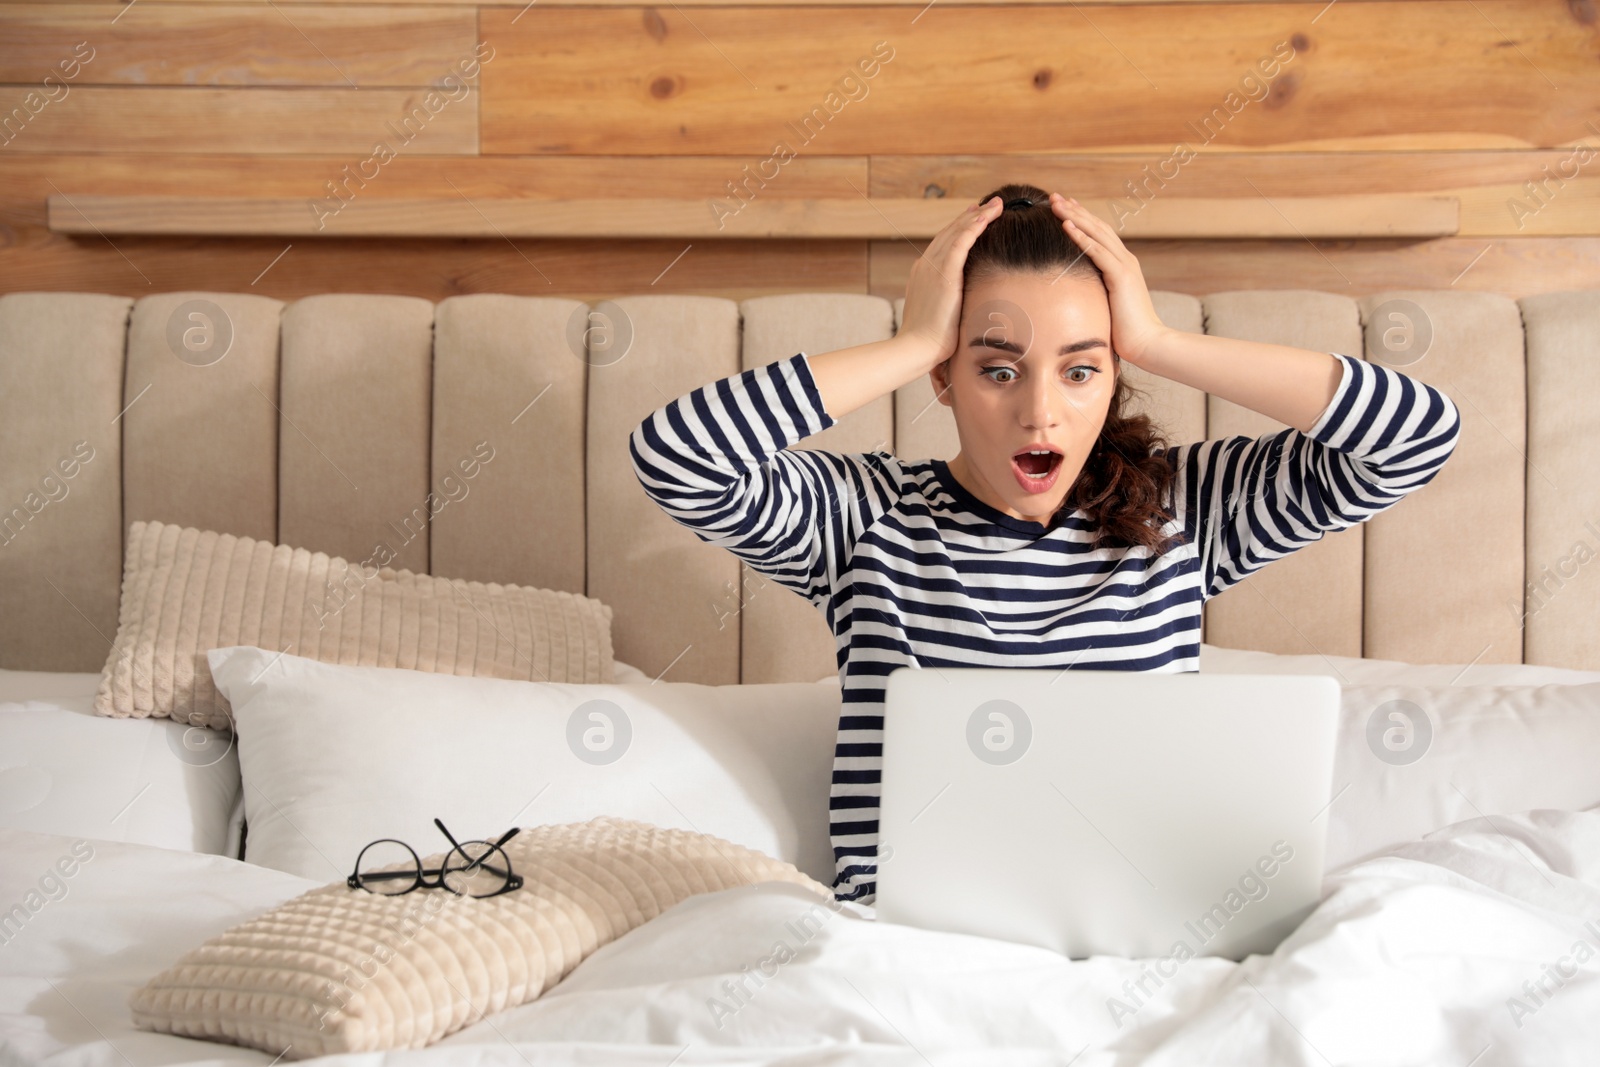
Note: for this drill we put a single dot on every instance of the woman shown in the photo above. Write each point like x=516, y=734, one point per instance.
x=1064, y=533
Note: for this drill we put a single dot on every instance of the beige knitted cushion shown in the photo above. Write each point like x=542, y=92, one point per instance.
x=343, y=970
x=185, y=591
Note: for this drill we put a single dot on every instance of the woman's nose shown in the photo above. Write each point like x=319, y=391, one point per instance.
x=1041, y=405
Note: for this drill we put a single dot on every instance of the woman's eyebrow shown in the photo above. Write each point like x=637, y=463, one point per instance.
x=983, y=340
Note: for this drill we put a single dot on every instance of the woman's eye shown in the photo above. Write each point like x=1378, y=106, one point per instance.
x=991, y=372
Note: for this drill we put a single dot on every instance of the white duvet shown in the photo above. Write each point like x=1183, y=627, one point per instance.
x=1478, y=945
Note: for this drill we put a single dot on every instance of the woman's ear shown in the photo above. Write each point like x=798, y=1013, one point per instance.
x=940, y=376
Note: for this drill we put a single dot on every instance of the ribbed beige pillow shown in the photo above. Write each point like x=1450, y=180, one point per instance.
x=185, y=591
x=343, y=970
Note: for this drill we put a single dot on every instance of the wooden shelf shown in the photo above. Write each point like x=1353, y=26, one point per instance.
x=1289, y=218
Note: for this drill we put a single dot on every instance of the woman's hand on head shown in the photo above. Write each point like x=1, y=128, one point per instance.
x=1135, y=326
x=932, y=312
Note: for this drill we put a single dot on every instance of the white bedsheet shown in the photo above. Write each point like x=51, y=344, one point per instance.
x=1412, y=958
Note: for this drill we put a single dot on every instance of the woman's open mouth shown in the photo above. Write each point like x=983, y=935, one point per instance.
x=1036, y=467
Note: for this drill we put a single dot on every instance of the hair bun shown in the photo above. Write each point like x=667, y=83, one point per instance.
x=1018, y=202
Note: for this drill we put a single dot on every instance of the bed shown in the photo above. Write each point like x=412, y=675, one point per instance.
x=1460, y=919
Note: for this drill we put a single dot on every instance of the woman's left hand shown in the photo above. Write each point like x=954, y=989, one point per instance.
x=1135, y=326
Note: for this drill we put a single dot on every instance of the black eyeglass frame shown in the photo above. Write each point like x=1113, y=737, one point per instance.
x=420, y=875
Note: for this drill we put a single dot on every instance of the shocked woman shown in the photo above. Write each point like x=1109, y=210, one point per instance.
x=1065, y=533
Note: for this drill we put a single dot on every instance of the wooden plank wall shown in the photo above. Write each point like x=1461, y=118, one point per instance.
x=329, y=101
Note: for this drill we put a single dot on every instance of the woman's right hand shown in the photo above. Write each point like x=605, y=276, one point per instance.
x=930, y=323
x=932, y=312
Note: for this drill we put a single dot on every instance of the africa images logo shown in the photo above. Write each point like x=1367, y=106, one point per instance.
x=599, y=732
x=1399, y=732
x=999, y=732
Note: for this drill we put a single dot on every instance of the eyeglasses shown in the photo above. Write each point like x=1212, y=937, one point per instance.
x=390, y=867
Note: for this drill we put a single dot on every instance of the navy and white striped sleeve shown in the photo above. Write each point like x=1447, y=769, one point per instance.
x=1248, y=501
x=715, y=460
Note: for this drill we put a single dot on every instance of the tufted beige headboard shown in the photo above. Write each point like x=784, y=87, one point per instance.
x=326, y=422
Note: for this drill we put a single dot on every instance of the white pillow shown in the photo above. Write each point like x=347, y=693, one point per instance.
x=65, y=770
x=1412, y=759
x=623, y=673
x=334, y=757
x=626, y=673
x=1350, y=670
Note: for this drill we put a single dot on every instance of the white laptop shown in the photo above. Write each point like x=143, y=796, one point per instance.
x=1106, y=812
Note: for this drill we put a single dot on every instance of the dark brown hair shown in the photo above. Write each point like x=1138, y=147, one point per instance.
x=1125, y=480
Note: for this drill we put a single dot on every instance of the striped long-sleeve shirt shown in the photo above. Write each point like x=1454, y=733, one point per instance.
x=911, y=569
